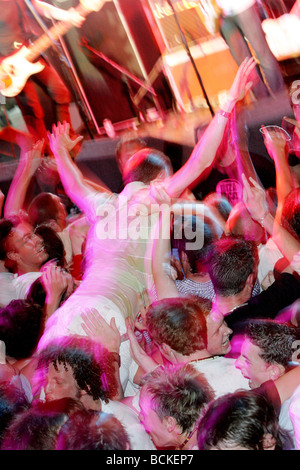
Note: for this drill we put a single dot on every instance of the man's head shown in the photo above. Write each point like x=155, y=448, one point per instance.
x=127, y=147
x=232, y=266
x=78, y=368
x=45, y=208
x=21, y=249
x=186, y=326
x=178, y=325
x=93, y=430
x=266, y=351
x=239, y=421
x=21, y=326
x=147, y=165
x=171, y=400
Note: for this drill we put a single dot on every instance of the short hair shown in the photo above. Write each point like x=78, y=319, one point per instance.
x=92, y=365
x=146, y=165
x=129, y=145
x=21, y=326
x=12, y=401
x=180, y=392
x=93, y=430
x=6, y=227
x=52, y=243
x=231, y=261
x=290, y=217
x=274, y=339
x=37, y=428
x=239, y=419
x=42, y=209
x=178, y=322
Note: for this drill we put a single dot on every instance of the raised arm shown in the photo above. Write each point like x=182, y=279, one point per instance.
x=50, y=11
x=276, y=146
x=255, y=200
x=28, y=164
x=161, y=257
x=76, y=187
x=205, y=150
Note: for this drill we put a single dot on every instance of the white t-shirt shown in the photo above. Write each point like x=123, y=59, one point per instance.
x=234, y=7
x=139, y=439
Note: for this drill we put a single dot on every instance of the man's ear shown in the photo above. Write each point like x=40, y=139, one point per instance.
x=268, y=442
x=170, y=423
x=275, y=371
x=13, y=256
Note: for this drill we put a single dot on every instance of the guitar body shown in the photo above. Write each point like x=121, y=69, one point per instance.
x=15, y=71
x=19, y=66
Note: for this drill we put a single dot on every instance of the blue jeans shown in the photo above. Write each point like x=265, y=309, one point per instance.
x=247, y=25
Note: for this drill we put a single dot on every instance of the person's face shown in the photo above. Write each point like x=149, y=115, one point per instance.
x=218, y=334
x=28, y=248
x=154, y=426
x=61, y=383
x=251, y=365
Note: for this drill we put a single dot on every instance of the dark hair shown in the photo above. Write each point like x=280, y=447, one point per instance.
x=21, y=326
x=37, y=428
x=239, y=419
x=52, y=243
x=42, y=209
x=290, y=217
x=231, y=261
x=93, y=430
x=6, y=226
x=220, y=203
x=180, y=392
x=129, y=145
x=92, y=365
x=182, y=236
x=274, y=339
x=178, y=322
x=12, y=402
x=146, y=165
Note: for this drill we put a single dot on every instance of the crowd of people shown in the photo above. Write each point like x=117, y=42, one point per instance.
x=152, y=320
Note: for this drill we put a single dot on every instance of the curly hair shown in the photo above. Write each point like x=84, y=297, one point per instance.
x=178, y=322
x=290, y=217
x=274, y=339
x=92, y=365
x=180, y=392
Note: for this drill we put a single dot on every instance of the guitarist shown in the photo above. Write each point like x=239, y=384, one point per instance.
x=240, y=25
x=14, y=32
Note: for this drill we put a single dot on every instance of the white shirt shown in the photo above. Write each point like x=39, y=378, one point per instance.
x=234, y=7
x=138, y=437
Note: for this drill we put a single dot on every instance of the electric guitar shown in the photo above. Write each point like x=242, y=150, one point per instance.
x=19, y=66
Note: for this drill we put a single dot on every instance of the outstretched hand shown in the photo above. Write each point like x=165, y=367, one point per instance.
x=254, y=198
x=99, y=330
x=60, y=138
x=275, y=141
x=242, y=83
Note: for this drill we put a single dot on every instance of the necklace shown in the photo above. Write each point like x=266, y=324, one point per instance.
x=186, y=440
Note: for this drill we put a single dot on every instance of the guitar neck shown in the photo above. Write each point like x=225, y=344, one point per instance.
x=44, y=42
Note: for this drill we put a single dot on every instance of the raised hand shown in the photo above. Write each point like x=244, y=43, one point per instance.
x=99, y=330
x=275, y=140
x=242, y=83
x=254, y=198
x=60, y=138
